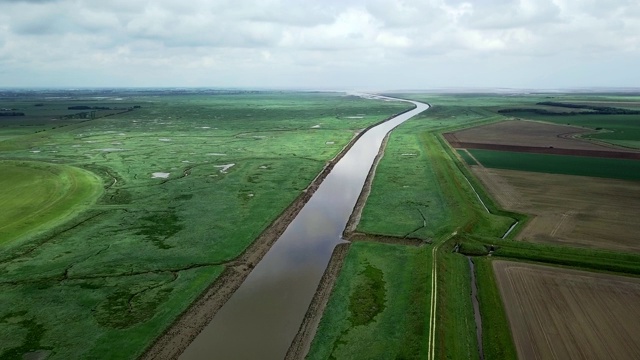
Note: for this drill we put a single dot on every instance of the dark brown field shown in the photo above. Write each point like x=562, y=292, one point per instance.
x=535, y=137
x=558, y=313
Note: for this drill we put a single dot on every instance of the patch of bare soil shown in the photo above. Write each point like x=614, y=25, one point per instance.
x=558, y=313
x=535, y=137
x=570, y=210
x=195, y=318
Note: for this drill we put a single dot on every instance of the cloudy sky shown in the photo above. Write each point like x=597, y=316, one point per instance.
x=341, y=44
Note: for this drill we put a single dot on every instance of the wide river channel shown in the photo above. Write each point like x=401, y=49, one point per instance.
x=262, y=317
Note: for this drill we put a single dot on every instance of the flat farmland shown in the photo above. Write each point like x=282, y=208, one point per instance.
x=534, y=136
x=599, y=213
x=558, y=313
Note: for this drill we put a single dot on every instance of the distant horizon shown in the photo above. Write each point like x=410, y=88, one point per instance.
x=452, y=89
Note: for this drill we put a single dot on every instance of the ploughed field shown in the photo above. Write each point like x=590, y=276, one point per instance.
x=588, y=201
x=536, y=137
x=559, y=313
x=570, y=210
x=188, y=180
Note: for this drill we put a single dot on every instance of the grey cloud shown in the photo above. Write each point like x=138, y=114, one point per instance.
x=203, y=42
x=31, y=1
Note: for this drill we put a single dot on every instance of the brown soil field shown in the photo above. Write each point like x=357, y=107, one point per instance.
x=570, y=210
x=558, y=313
x=534, y=136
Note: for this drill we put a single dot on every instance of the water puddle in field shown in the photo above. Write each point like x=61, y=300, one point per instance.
x=160, y=175
x=263, y=316
x=224, y=168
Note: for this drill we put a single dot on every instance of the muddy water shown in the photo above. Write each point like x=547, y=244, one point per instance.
x=262, y=317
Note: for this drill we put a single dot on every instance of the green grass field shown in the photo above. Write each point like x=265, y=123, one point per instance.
x=378, y=306
x=35, y=195
x=121, y=270
x=560, y=164
x=121, y=267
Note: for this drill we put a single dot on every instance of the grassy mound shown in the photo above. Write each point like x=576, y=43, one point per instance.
x=35, y=195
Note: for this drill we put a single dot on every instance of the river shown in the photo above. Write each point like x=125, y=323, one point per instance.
x=262, y=317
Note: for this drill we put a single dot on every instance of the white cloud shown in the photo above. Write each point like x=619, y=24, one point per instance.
x=337, y=43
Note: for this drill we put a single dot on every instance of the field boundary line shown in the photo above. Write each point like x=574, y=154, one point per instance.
x=477, y=195
x=473, y=157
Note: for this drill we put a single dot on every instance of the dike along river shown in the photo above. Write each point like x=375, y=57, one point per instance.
x=262, y=317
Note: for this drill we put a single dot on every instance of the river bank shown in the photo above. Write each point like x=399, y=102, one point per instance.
x=172, y=343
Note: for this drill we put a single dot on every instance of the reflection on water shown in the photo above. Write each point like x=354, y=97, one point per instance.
x=261, y=319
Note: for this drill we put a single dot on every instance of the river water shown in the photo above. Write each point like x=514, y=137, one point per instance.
x=262, y=317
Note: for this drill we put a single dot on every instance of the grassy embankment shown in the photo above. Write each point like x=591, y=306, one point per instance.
x=106, y=283
x=419, y=191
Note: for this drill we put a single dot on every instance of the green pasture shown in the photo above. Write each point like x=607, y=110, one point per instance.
x=379, y=305
x=106, y=282
x=417, y=182
x=34, y=195
x=624, y=169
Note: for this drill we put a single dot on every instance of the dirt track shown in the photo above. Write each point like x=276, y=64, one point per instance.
x=195, y=318
x=558, y=313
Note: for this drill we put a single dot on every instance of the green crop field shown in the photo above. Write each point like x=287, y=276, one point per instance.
x=466, y=157
x=560, y=164
x=188, y=181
